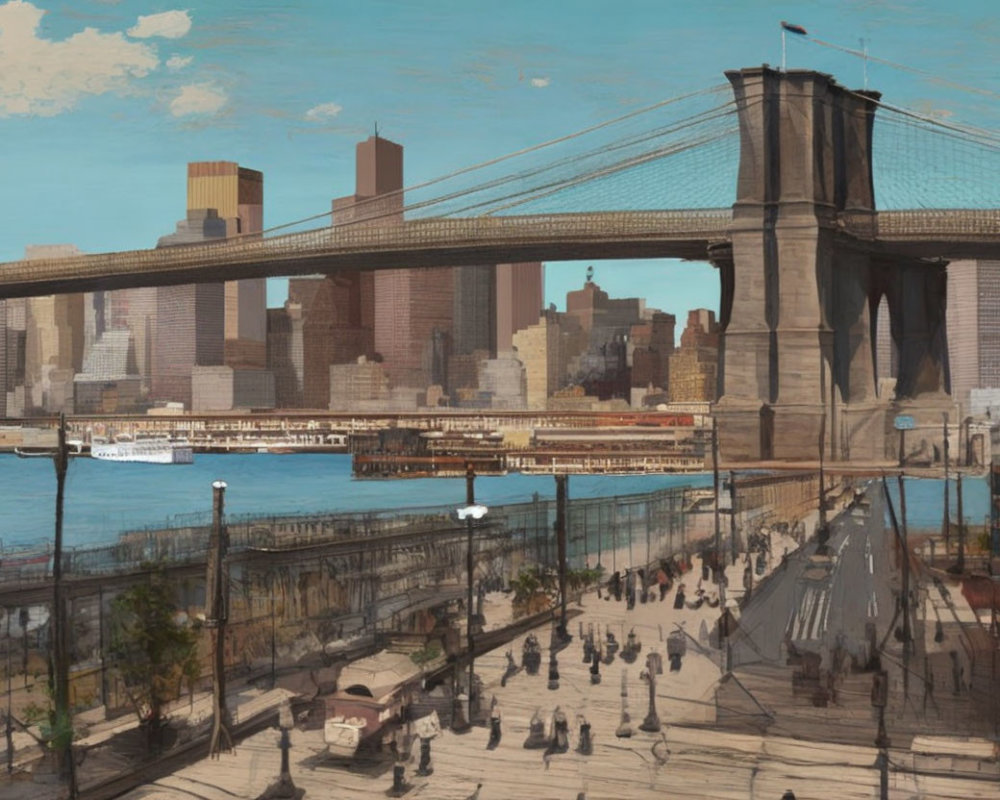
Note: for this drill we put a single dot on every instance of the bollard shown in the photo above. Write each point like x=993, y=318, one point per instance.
x=651, y=724
x=494, y=726
x=624, y=729
x=585, y=746
x=536, y=733
x=595, y=669
x=553, y=672
x=531, y=656
x=399, y=784
x=425, y=767
x=560, y=732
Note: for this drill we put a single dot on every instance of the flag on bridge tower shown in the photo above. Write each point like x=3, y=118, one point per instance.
x=796, y=29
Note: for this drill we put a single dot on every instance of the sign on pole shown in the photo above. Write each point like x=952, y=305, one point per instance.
x=904, y=422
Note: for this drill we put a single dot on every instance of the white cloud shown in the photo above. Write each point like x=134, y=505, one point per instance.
x=46, y=77
x=176, y=62
x=169, y=25
x=198, y=99
x=323, y=111
x=539, y=83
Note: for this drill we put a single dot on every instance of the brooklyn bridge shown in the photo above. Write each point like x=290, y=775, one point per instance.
x=804, y=254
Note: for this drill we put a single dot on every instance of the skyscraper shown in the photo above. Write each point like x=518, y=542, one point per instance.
x=53, y=341
x=410, y=310
x=237, y=194
x=973, y=327
x=520, y=298
x=693, y=367
x=190, y=327
x=15, y=312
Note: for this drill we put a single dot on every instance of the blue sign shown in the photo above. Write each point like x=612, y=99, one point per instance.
x=904, y=422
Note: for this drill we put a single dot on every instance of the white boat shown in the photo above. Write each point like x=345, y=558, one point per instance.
x=147, y=450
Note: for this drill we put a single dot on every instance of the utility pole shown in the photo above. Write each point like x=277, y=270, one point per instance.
x=62, y=722
x=274, y=646
x=561, y=482
x=216, y=613
x=715, y=487
x=959, y=566
x=470, y=500
x=9, y=726
x=946, y=520
x=824, y=529
x=880, y=694
x=904, y=536
x=733, y=547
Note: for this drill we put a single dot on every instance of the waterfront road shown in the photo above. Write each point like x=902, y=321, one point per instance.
x=815, y=600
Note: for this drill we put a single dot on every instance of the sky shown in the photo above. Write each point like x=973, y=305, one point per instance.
x=103, y=102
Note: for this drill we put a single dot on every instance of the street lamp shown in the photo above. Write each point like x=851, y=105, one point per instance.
x=470, y=513
x=880, y=696
x=284, y=788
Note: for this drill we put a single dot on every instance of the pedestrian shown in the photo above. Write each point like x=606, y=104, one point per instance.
x=679, y=597
x=663, y=582
x=616, y=585
x=957, y=673
x=929, y=687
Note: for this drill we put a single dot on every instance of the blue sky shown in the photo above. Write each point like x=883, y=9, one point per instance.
x=102, y=103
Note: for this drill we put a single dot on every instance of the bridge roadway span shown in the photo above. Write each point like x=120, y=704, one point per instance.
x=441, y=242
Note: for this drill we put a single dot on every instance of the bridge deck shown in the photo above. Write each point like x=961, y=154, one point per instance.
x=439, y=242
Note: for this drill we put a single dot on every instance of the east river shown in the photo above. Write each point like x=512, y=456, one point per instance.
x=104, y=498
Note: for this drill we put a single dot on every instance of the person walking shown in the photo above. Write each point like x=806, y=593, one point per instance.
x=663, y=581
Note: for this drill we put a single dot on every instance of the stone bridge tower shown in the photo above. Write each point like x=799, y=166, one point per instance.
x=800, y=293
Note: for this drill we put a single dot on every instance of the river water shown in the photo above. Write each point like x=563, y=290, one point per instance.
x=105, y=498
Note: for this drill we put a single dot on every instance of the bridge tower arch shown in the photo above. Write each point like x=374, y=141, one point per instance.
x=798, y=362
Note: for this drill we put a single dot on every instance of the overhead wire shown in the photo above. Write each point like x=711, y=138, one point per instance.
x=508, y=156
x=904, y=67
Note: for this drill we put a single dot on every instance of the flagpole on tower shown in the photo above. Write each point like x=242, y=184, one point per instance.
x=864, y=47
x=796, y=29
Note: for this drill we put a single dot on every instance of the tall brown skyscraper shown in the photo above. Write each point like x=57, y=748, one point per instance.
x=409, y=310
x=520, y=298
x=237, y=193
x=189, y=317
x=417, y=318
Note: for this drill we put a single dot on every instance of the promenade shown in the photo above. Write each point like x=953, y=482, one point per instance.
x=691, y=756
x=686, y=759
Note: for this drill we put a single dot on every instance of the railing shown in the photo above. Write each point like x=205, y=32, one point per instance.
x=445, y=232
x=188, y=544
x=924, y=224
x=410, y=235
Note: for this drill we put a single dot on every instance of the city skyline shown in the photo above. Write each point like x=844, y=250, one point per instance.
x=253, y=85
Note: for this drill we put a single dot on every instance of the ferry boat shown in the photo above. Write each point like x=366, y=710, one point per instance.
x=74, y=447
x=147, y=450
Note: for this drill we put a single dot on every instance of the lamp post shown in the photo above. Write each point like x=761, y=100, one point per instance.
x=823, y=534
x=733, y=544
x=60, y=649
x=561, y=481
x=9, y=726
x=216, y=602
x=880, y=696
x=284, y=788
x=715, y=493
x=470, y=513
x=946, y=520
x=274, y=646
